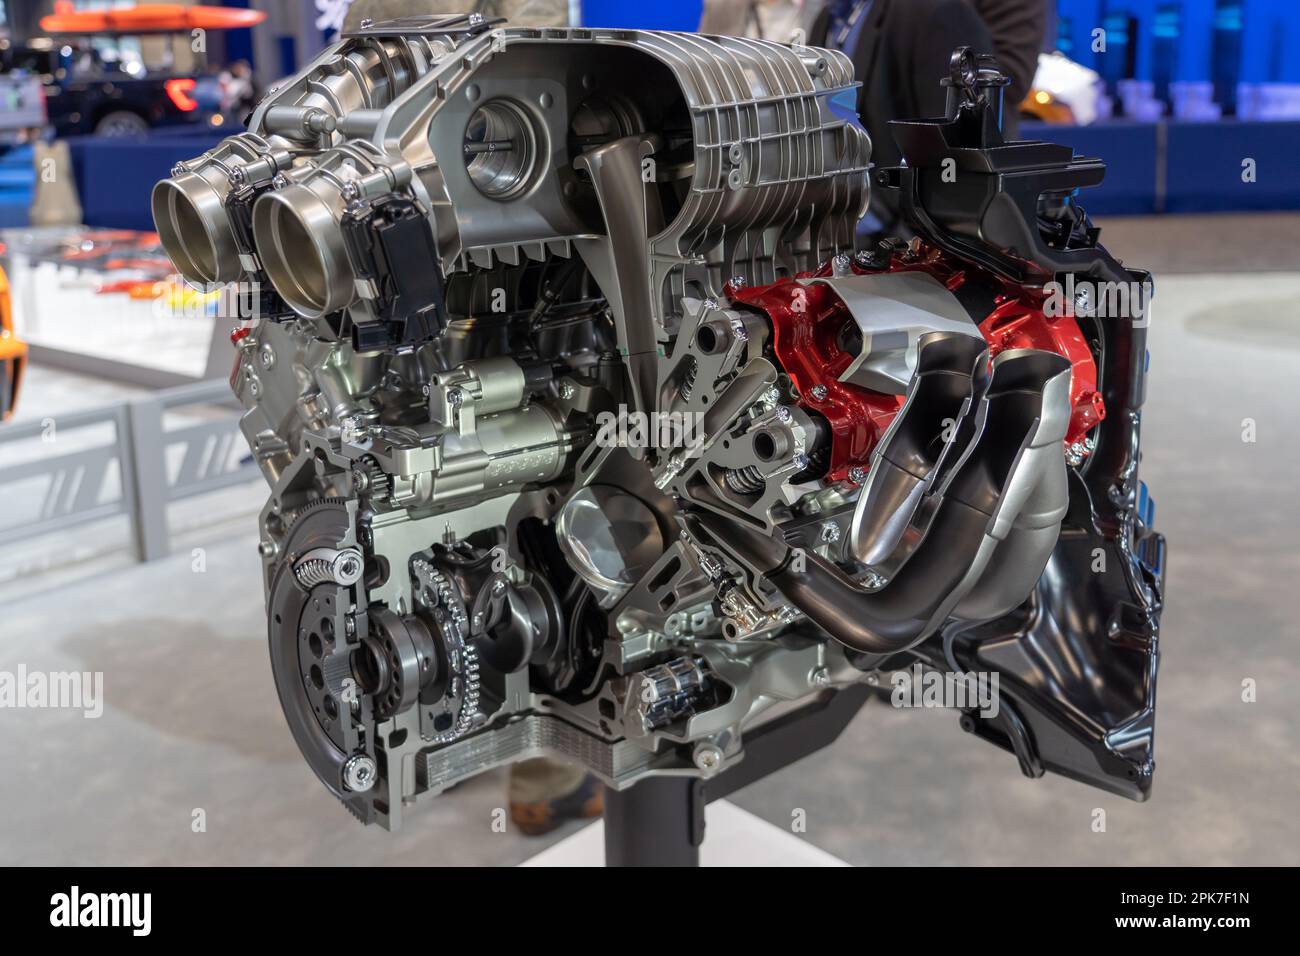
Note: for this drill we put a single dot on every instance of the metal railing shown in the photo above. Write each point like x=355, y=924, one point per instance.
x=78, y=486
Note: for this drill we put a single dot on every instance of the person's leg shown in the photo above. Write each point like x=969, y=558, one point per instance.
x=544, y=793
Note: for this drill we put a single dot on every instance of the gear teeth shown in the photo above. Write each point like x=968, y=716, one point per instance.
x=468, y=675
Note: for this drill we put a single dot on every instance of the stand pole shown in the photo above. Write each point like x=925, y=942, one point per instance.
x=658, y=822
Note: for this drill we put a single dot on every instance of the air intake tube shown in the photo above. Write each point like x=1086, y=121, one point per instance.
x=994, y=520
x=297, y=227
x=189, y=209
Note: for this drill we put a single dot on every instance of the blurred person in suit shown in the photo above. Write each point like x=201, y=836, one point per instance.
x=900, y=51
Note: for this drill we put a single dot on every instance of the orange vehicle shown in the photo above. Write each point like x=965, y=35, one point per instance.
x=13, y=353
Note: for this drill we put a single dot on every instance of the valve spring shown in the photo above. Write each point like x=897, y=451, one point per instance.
x=745, y=481
x=688, y=380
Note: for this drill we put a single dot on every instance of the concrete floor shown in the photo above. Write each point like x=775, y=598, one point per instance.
x=192, y=721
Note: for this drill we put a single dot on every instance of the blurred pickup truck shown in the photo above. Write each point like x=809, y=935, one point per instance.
x=84, y=94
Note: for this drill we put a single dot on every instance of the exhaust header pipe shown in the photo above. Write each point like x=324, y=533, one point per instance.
x=994, y=515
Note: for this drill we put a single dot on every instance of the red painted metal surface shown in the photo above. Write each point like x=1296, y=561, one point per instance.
x=807, y=325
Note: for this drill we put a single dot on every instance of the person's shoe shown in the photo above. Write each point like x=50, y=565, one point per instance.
x=536, y=819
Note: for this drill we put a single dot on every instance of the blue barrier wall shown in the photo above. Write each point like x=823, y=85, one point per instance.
x=661, y=15
x=1200, y=168
x=116, y=175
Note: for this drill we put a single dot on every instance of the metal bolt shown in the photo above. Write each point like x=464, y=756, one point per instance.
x=783, y=414
x=475, y=19
x=351, y=191
x=279, y=181
x=499, y=587
x=266, y=548
x=359, y=773
x=347, y=568
x=739, y=331
x=772, y=395
x=841, y=264
x=1075, y=454
x=818, y=393
x=1083, y=301
x=567, y=391
x=874, y=580
x=180, y=168
x=367, y=23
x=830, y=532
x=351, y=429
x=800, y=461
x=455, y=396
x=237, y=176
x=707, y=757
x=857, y=474
x=820, y=677
x=266, y=356
x=738, y=282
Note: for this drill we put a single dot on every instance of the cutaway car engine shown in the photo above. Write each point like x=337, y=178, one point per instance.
x=589, y=432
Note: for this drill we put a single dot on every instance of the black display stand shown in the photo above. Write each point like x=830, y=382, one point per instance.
x=660, y=821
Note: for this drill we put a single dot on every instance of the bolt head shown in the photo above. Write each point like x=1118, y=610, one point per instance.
x=818, y=393
x=707, y=757
x=347, y=568
x=830, y=532
x=567, y=391
x=857, y=474
x=360, y=773
x=820, y=677
x=874, y=580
